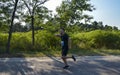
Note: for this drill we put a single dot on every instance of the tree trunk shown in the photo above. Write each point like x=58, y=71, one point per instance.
x=32, y=23
x=11, y=26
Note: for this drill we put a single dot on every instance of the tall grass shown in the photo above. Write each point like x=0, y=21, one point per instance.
x=97, y=39
x=45, y=40
x=3, y=41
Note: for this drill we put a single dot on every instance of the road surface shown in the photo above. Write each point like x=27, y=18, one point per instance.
x=85, y=65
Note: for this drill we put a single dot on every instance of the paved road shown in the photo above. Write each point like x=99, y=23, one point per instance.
x=86, y=65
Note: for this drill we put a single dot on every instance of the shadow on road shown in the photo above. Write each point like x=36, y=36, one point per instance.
x=84, y=67
x=53, y=66
x=14, y=66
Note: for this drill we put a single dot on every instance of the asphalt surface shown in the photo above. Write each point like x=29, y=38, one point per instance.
x=85, y=65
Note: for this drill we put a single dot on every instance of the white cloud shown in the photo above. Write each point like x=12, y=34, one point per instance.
x=52, y=4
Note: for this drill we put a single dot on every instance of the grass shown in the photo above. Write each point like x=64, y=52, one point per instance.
x=42, y=53
x=78, y=52
x=95, y=52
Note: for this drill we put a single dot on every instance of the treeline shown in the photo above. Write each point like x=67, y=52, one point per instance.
x=73, y=28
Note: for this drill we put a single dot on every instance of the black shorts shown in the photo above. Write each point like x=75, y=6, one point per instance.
x=64, y=51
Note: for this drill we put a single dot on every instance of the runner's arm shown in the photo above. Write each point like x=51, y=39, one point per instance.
x=58, y=35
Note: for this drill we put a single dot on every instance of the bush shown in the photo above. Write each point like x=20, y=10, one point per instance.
x=45, y=40
x=97, y=39
x=21, y=41
x=3, y=41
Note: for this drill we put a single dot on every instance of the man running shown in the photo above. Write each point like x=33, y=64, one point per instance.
x=65, y=43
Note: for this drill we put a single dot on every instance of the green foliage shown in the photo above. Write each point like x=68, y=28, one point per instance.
x=6, y=8
x=46, y=41
x=3, y=41
x=71, y=11
x=3, y=28
x=21, y=41
x=97, y=39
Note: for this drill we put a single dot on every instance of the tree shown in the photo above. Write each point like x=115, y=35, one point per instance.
x=107, y=27
x=115, y=28
x=32, y=6
x=10, y=31
x=87, y=18
x=72, y=11
x=6, y=8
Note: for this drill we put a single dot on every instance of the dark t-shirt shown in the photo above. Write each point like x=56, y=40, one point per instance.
x=64, y=41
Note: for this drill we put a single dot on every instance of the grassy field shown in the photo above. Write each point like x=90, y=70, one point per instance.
x=56, y=53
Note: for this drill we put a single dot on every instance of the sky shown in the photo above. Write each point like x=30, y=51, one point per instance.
x=107, y=11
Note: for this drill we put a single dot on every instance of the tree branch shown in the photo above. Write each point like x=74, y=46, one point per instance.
x=13, y=1
x=40, y=3
x=27, y=7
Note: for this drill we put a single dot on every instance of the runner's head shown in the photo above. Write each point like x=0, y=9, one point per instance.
x=62, y=31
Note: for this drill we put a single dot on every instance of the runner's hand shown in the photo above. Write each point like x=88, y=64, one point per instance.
x=57, y=35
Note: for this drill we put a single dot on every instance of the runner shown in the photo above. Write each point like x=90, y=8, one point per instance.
x=65, y=43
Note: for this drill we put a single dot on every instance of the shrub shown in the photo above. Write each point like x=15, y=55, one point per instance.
x=3, y=41
x=97, y=39
x=45, y=40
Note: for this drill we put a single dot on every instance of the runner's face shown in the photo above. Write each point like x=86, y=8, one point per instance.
x=61, y=31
